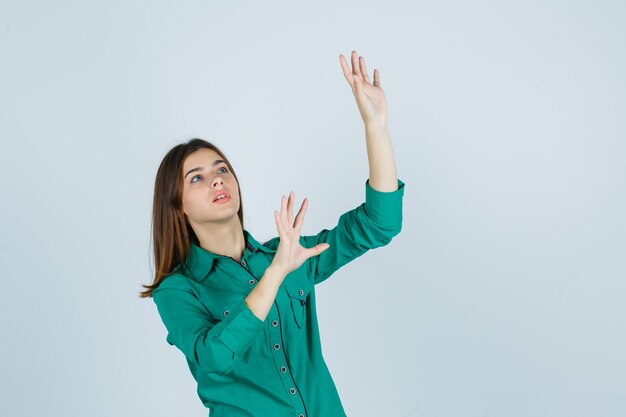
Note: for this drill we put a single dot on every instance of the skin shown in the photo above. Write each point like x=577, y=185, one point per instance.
x=370, y=98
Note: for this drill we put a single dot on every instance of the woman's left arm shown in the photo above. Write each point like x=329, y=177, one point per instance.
x=375, y=222
x=372, y=105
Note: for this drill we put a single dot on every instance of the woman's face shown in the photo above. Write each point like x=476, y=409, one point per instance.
x=204, y=176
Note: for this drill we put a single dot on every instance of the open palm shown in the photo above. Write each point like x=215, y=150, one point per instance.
x=290, y=253
x=370, y=97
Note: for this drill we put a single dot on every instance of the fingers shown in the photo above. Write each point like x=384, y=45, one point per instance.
x=355, y=64
x=300, y=215
x=286, y=210
x=279, y=226
x=377, y=78
x=318, y=249
x=284, y=219
x=283, y=212
x=358, y=69
x=281, y=218
x=346, y=70
x=363, y=69
x=290, y=208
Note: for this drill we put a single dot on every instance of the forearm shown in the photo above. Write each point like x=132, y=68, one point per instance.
x=262, y=297
x=382, y=165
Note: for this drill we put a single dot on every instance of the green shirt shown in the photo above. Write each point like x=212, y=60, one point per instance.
x=245, y=366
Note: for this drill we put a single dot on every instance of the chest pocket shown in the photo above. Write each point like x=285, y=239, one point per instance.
x=228, y=303
x=220, y=305
x=298, y=288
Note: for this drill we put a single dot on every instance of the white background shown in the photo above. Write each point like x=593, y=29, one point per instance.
x=502, y=296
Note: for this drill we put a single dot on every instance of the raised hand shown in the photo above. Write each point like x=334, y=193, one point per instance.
x=370, y=98
x=290, y=253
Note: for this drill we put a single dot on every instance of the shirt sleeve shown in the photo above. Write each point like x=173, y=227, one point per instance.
x=213, y=347
x=372, y=224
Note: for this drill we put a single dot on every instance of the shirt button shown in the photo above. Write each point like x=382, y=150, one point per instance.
x=275, y=323
x=300, y=415
x=276, y=346
x=292, y=390
x=243, y=262
x=300, y=292
x=226, y=313
x=251, y=282
x=283, y=369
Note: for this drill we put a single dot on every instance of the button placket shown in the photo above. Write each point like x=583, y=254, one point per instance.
x=252, y=279
x=281, y=360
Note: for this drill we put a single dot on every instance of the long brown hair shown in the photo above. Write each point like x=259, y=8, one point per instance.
x=172, y=234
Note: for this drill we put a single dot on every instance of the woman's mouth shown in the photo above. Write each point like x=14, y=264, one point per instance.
x=223, y=196
x=223, y=199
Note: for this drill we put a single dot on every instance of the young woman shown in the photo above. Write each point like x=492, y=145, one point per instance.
x=243, y=312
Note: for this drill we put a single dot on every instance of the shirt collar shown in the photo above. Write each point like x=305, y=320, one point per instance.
x=200, y=261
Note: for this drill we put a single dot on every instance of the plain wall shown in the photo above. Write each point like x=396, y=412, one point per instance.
x=502, y=296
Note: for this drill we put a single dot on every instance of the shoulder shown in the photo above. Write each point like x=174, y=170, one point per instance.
x=272, y=243
x=175, y=281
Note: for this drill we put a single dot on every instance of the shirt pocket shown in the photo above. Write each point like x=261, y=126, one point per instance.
x=220, y=305
x=227, y=303
x=298, y=288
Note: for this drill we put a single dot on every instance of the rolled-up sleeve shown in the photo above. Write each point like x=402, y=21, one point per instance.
x=372, y=224
x=213, y=347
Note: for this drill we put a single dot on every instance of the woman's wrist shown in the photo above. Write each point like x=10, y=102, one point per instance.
x=277, y=270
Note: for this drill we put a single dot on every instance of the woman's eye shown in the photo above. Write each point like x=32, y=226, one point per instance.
x=224, y=168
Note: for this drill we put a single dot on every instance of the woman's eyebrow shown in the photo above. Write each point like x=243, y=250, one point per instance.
x=218, y=161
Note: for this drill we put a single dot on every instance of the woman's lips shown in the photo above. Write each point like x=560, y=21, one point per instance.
x=219, y=193
x=222, y=200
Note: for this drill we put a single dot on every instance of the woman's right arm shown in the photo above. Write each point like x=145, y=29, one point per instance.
x=261, y=298
x=215, y=347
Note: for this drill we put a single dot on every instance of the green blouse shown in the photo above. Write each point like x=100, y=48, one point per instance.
x=245, y=366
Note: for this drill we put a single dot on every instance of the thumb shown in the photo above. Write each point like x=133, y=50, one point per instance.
x=318, y=249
